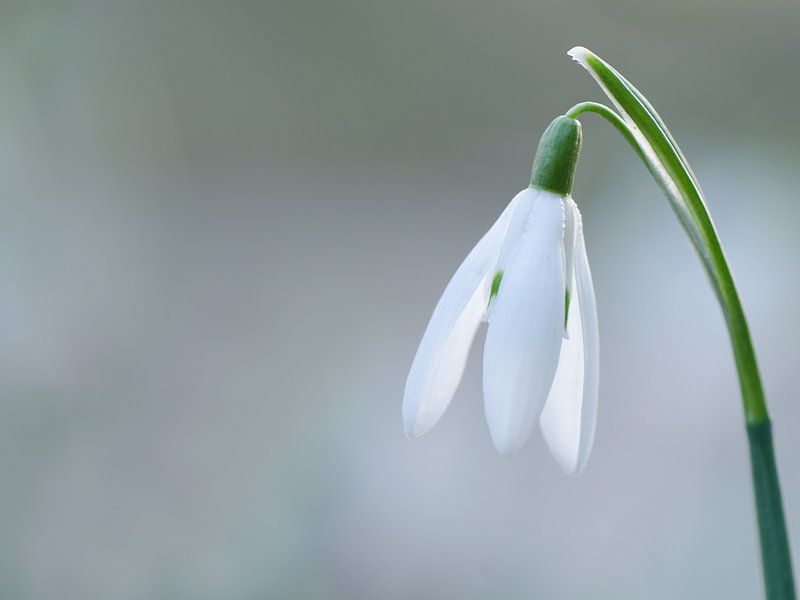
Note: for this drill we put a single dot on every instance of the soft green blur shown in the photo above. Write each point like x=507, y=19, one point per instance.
x=225, y=226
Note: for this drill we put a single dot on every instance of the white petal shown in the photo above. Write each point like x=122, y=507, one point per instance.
x=570, y=211
x=524, y=336
x=516, y=226
x=569, y=417
x=442, y=353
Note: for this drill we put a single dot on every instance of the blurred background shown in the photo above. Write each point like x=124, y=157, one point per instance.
x=225, y=225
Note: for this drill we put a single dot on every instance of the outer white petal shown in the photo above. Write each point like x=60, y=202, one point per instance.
x=517, y=225
x=442, y=353
x=569, y=417
x=524, y=336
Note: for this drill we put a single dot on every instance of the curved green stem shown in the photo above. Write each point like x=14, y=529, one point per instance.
x=610, y=116
x=647, y=133
x=755, y=406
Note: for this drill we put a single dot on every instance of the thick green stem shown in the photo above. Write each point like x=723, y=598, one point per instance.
x=775, y=551
x=654, y=145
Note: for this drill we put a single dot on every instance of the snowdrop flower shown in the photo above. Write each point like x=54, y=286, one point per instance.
x=529, y=279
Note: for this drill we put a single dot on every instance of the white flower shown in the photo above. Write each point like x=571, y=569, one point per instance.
x=529, y=278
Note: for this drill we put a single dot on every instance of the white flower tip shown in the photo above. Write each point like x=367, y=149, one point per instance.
x=412, y=431
x=507, y=445
x=413, y=425
x=410, y=427
x=569, y=465
x=569, y=455
x=579, y=54
x=562, y=448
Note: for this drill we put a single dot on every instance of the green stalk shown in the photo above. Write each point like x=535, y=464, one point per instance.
x=646, y=132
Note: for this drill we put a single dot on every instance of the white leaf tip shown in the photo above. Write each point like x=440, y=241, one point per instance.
x=579, y=54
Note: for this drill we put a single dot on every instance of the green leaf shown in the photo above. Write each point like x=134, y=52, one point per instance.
x=661, y=154
x=644, y=129
x=668, y=165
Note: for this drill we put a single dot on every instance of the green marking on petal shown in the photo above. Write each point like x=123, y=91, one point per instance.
x=498, y=277
x=566, y=308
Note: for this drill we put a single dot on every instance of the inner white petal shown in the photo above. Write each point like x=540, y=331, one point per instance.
x=524, y=336
x=570, y=218
x=569, y=417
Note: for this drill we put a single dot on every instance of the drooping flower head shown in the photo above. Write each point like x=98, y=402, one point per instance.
x=529, y=279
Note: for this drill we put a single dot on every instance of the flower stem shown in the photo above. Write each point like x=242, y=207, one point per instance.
x=755, y=407
x=775, y=554
x=610, y=116
x=653, y=144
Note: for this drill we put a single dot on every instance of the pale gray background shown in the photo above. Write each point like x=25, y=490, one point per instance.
x=224, y=226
